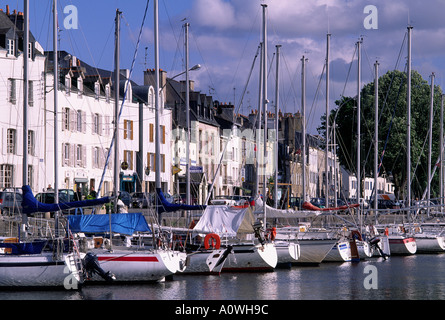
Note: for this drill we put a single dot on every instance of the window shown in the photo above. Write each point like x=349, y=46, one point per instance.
x=6, y=175
x=80, y=155
x=30, y=47
x=66, y=154
x=66, y=119
x=162, y=134
x=107, y=93
x=97, y=90
x=128, y=158
x=11, y=47
x=96, y=157
x=12, y=90
x=151, y=132
x=30, y=175
x=11, y=141
x=31, y=142
x=128, y=129
x=107, y=125
x=96, y=123
x=81, y=121
x=30, y=93
x=67, y=84
x=162, y=162
x=80, y=86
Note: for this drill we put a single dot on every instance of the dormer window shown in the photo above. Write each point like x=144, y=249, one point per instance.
x=97, y=90
x=30, y=50
x=80, y=86
x=11, y=47
x=107, y=92
x=67, y=84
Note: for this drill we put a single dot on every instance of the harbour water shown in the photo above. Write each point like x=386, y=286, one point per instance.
x=417, y=277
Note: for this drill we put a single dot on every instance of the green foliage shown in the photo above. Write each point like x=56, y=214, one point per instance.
x=392, y=130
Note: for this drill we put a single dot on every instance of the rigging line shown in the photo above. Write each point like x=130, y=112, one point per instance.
x=239, y=106
x=123, y=99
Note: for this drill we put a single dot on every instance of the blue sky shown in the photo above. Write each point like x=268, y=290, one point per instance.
x=224, y=36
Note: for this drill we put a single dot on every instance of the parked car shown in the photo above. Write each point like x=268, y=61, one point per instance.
x=140, y=200
x=10, y=201
x=234, y=200
x=319, y=202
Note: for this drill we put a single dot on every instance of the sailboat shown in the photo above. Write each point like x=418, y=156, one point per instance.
x=125, y=261
x=44, y=262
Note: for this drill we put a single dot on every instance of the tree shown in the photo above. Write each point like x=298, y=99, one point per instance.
x=392, y=130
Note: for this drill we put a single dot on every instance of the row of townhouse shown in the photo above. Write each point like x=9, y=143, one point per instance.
x=226, y=156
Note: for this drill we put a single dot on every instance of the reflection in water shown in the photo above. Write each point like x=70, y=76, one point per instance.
x=411, y=277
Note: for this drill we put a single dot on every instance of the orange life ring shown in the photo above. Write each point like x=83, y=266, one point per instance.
x=212, y=240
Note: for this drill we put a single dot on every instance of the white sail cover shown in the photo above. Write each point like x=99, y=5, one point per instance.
x=225, y=221
x=283, y=213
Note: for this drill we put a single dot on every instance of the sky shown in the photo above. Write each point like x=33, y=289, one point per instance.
x=224, y=36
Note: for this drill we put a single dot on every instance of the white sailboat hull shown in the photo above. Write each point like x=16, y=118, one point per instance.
x=401, y=245
x=251, y=257
x=430, y=243
x=128, y=265
x=313, y=251
x=340, y=252
x=364, y=249
x=35, y=270
x=206, y=262
x=288, y=252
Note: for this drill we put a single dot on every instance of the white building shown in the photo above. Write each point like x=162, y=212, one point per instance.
x=12, y=106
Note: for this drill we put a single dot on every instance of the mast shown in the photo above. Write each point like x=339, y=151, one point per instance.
x=430, y=141
x=56, y=113
x=264, y=104
x=303, y=124
x=157, y=106
x=25, y=90
x=358, y=118
x=408, y=120
x=376, y=133
x=276, y=125
x=258, y=135
x=187, y=113
x=441, y=155
x=327, y=123
x=116, y=110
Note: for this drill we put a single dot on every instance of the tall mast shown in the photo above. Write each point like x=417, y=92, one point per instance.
x=276, y=125
x=359, y=57
x=157, y=106
x=376, y=133
x=56, y=113
x=303, y=125
x=264, y=103
x=327, y=123
x=441, y=155
x=116, y=108
x=187, y=113
x=258, y=132
x=408, y=120
x=25, y=90
x=430, y=140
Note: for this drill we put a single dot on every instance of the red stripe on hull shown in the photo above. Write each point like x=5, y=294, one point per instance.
x=128, y=259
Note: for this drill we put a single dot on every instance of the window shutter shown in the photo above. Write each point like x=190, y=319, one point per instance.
x=131, y=128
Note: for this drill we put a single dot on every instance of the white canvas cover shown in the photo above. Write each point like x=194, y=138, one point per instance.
x=282, y=213
x=225, y=221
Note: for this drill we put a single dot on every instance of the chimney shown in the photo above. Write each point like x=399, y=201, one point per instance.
x=191, y=87
x=7, y=10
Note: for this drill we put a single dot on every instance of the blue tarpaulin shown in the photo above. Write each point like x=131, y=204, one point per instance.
x=125, y=223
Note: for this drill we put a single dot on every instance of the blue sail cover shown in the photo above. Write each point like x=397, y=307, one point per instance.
x=125, y=223
x=31, y=205
x=166, y=206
